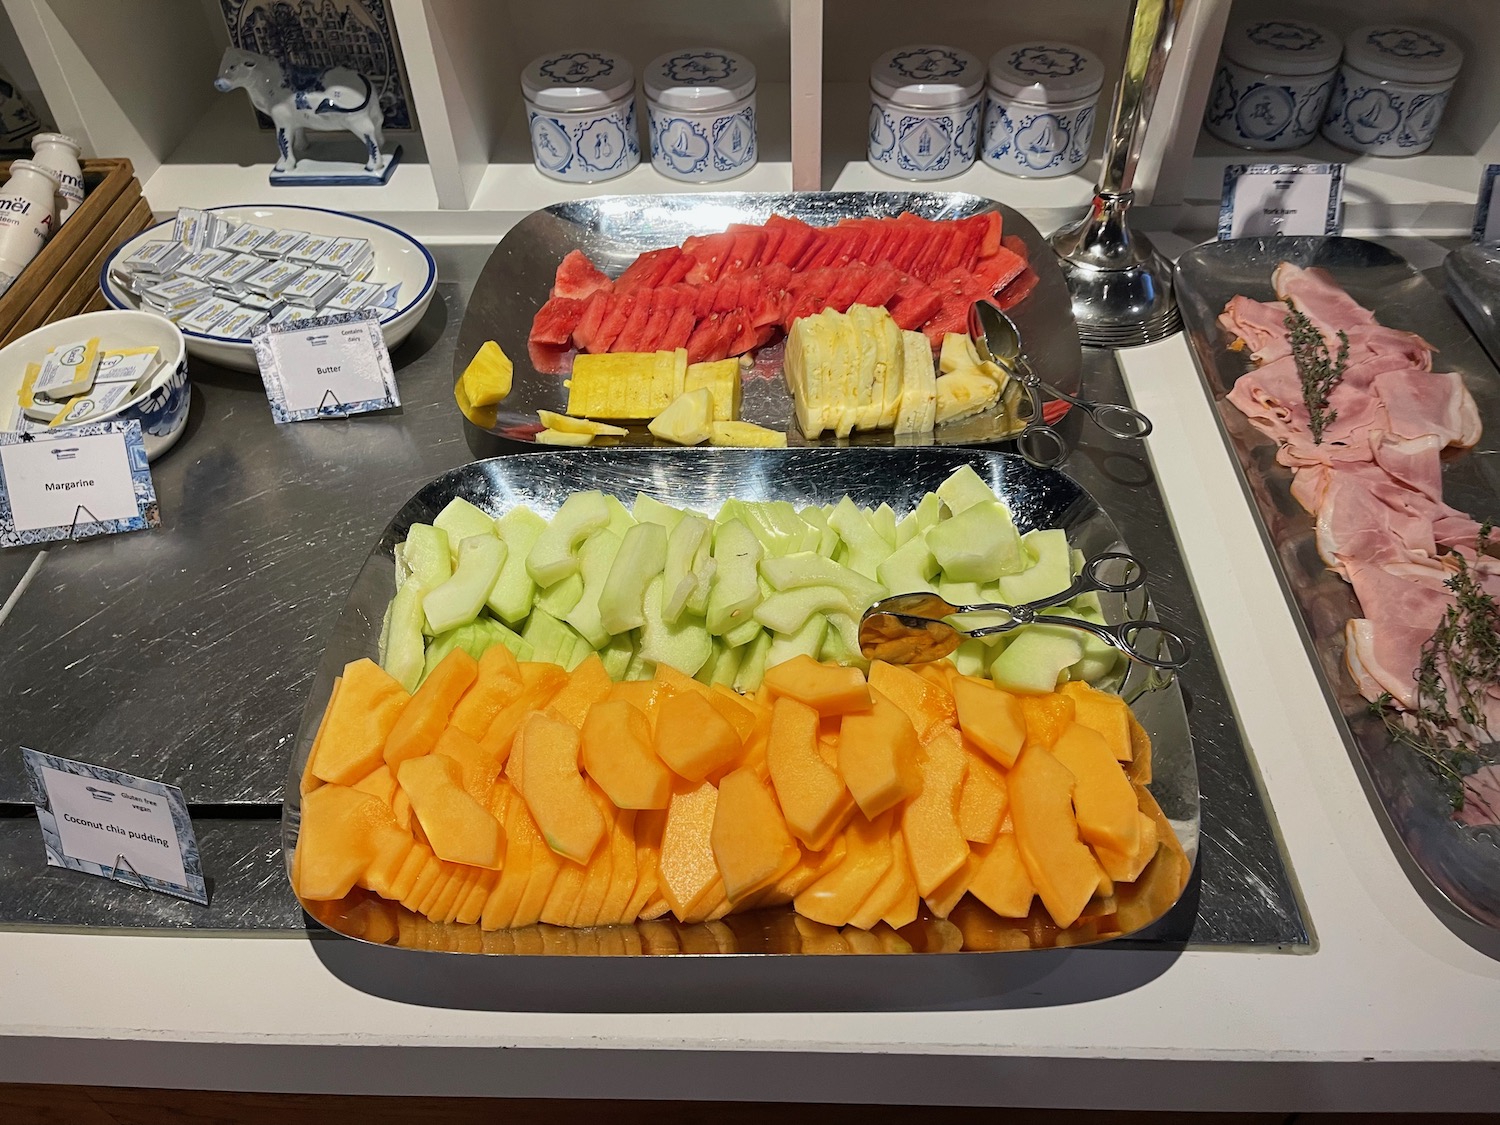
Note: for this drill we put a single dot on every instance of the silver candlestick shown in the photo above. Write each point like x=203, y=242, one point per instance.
x=1122, y=288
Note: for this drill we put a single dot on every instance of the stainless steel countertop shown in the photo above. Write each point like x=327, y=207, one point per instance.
x=186, y=653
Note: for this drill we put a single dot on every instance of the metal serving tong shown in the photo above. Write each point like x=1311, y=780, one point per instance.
x=998, y=340
x=913, y=628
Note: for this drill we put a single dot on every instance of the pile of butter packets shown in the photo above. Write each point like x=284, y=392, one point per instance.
x=80, y=380
x=223, y=279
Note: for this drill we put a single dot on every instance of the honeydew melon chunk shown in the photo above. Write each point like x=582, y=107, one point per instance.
x=685, y=645
x=736, y=587
x=639, y=668
x=617, y=654
x=460, y=520
x=555, y=553
x=620, y=519
x=727, y=666
x=401, y=654
x=963, y=489
x=883, y=520
x=1033, y=663
x=648, y=509
x=743, y=634
x=841, y=642
x=973, y=657
x=867, y=547
x=705, y=674
x=788, y=612
x=642, y=554
x=551, y=640
x=704, y=569
x=460, y=599
x=559, y=598
x=403, y=571
x=679, y=583
x=752, y=669
x=977, y=545
x=791, y=572
x=805, y=642
x=514, y=590
x=1050, y=574
x=1100, y=658
x=909, y=569
x=474, y=638
x=427, y=554
x=595, y=559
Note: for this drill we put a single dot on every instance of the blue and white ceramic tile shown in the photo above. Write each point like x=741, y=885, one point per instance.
x=140, y=475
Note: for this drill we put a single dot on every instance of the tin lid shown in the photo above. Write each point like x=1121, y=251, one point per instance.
x=1405, y=54
x=925, y=76
x=577, y=80
x=1282, y=46
x=699, y=78
x=1046, y=73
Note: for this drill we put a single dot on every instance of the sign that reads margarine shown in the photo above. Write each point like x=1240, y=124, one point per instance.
x=77, y=481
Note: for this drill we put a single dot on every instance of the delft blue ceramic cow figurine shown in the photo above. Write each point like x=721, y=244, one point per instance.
x=336, y=98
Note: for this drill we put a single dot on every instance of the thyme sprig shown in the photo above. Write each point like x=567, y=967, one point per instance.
x=1448, y=728
x=1319, y=373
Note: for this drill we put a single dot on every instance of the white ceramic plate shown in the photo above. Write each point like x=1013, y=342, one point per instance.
x=398, y=258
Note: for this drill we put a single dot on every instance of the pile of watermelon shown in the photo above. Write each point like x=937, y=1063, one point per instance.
x=719, y=295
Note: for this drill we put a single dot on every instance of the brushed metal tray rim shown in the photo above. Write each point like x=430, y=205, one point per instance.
x=1162, y=713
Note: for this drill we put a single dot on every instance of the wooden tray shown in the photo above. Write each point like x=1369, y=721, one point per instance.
x=63, y=280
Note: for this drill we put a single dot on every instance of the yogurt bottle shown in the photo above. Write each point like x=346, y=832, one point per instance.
x=1272, y=84
x=60, y=153
x=28, y=213
x=580, y=108
x=700, y=108
x=924, y=111
x=1391, y=90
x=1040, y=108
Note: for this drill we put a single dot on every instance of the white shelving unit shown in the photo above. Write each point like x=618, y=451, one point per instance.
x=133, y=78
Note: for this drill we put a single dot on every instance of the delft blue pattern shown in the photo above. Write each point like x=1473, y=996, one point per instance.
x=165, y=409
x=925, y=144
x=966, y=140
x=598, y=144
x=680, y=144
x=140, y=474
x=882, y=136
x=1333, y=219
x=577, y=67
x=699, y=68
x=928, y=65
x=734, y=140
x=1374, y=115
x=270, y=370
x=1405, y=43
x=1281, y=35
x=194, y=890
x=1047, y=62
x=999, y=135
x=1263, y=112
x=1042, y=141
x=1038, y=141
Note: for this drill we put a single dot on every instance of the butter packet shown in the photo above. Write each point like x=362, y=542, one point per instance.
x=311, y=249
x=130, y=366
x=234, y=272
x=207, y=317
x=197, y=230
x=273, y=278
x=203, y=263
x=261, y=303
x=177, y=290
x=343, y=254
x=314, y=288
x=101, y=400
x=353, y=297
x=154, y=258
x=240, y=323
x=68, y=370
x=281, y=243
x=246, y=238
x=292, y=314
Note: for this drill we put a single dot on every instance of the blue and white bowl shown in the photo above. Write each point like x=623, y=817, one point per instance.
x=1272, y=84
x=700, y=106
x=580, y=110
x=1391, y=90
x=161, y=409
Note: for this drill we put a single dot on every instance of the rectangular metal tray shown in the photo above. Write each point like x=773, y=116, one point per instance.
x=704, y=479
x=614, y=230
x=1462, y=864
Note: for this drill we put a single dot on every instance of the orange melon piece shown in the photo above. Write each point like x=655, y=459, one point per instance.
x=1047, y=716
x=1103, y=798
x=1140, y=753
x=401, y=810
x=617, y=755
x=811, y=867
x=381, y=783
x=406, y=878
x=437, y=888
x=692, y=737
x=472, y=905
x=341, y=831
x=598, y=870
x=387, y=861
x=445, y=909
x=751, y=844
x=833, y=899
x=985, y=797
x=827, y=688
x=942, y=901
x=497, y=683
x=935, y=843
x=994, y=720
x=562, y=899
x=424, y=718
x=309, y=781
x=926, y=704
x=672, y=680
x=894, y=895
x=1061, y=867
x=500, y=907
x=817, y=938
x=813, y=797
x=361, y=717
x=877, y=756
x=1103, y=712
x=741, y=713
x=539, y=684
x=712, y=905
x=1127, y=868
x=554, y=790
x=546, y=865
x=587, y=685
x=622, y=872
x=478, y=765
x=648, y=829
x=423, y=884
x=1001, y=882
x=640, y=694
x=686, y=868
x=459, y=828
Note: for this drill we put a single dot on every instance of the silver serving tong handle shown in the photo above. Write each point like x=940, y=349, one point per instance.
x=913, y=628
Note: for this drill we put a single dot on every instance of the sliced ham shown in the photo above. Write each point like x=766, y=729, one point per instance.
x=1260, y=325
x=1384, y=648
x=1433, y=403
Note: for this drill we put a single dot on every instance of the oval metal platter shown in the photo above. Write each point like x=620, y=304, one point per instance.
x=704, y=479
x=614, y=230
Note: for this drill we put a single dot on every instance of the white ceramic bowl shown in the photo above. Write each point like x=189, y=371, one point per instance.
x=398, y=258
x=161, y=409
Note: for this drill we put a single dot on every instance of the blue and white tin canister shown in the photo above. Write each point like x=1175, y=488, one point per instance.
x=700, y=107
x=924, y=111
x=1391, y=90
x=1040, y=108
x=1272, y=84
x=580, y=107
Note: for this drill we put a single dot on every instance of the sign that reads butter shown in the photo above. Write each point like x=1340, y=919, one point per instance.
x=1272, y=199
x=326, y=367
x=104, y=822
x=74, y=482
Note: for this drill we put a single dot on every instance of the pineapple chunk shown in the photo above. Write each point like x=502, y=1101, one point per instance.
x=563, y=437
x=722, y=379
x=482, y=416
x=962, y=393
x=564, y=424
x=958, y=353
x=746, y=433
x=918, y=412
x=624, y=384
x=486, y=381
x=688, y=420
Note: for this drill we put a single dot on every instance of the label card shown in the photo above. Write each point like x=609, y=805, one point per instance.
x=1272, y=199
x=86, y=480
x=106, y=823
x=327, y=367
x=1487, y=210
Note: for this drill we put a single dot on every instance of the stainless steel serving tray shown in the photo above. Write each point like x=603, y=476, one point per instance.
x=614, y=230
x=1463, y=864
x=703, y=479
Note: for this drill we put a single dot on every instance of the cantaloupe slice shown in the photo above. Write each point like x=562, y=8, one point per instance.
x=992, y=719
x=387, y=861
x=947, y=895
x=562, y=899
x=827, y=688
x=360, y=719
x=1061, y=866
x=380, y=782
x=424, y=718
x=984, y=800
x=692, y=737
x=599, y=869
x=812, y=795
x=648, y=830
x=1103, y=712
x=545, y=867
x=877, y=756
x=1140, y=754
x=926, y=704
x=741, y=713
x=833, y=899
x=471, y=908
x=751, y=843
x=478, y=765
x=640, y=694
x=455, y=894
x=1127, y=868
x=895, y=892
x=673, y=680
x=423, y=884
x=540, y=683
x=496, y=684
x=1001, y=882
x=309, y=780
x=1103, y=799
x=617, y=754
x=554, y=789
x=935, y=844
x=405, y=879
x=622, y=870
x=587, y=684
x=686, y=868
x=341, y=829
x=459, y=828
x=501, y=905
x=1047, y=716
x=808, y=869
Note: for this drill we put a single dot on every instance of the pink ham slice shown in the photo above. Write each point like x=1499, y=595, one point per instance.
x=1431, y=403
x=1260, y=324
x=1384, y=648
x=1319, y=297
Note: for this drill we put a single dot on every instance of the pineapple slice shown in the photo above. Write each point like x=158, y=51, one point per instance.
x=564, y=424
x=688, y=420
x=487, y=379
x=563, y=437
x=958, y=353
x=918, y=411
x=962, y=393
x=618, y=384
x=746, y=434
x=722, y=379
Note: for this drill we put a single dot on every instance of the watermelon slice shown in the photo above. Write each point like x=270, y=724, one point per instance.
x=956, y=251
x=745, y=253
x=914, y=304
x=663, y=309
x=711, y=253
x=554, y=321
x=953, y=316
x=647, y=270
x=880, y=234
x=916, y=239
x=727, y=296
x=830, y=245
x=678, y=271
x=679, y=328
x=1016, y=245
x=882, y=285
x=851, y=282
x=632, y=337
x=621, y=305
x=991, y=240
x=775, y=232
x=1017, y=291
x=797, y=236
x=594, y=309
x=705, y=337
x=928, y=263
x=577, y=277
x=998, y=270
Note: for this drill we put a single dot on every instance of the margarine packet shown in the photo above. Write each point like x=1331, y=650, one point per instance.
x=281, y=243
x=246, y=238
x=68, y=370
x=19, y=423
x=153, y=258
x=311, y=249
x=234, y=272
x=101, y=400
x=314, y=288
x=207, y=317
x=343, y=254
x=197, y=230
x=273, y=277
x=130, y=366
x=353, y=297
x=203, y=263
